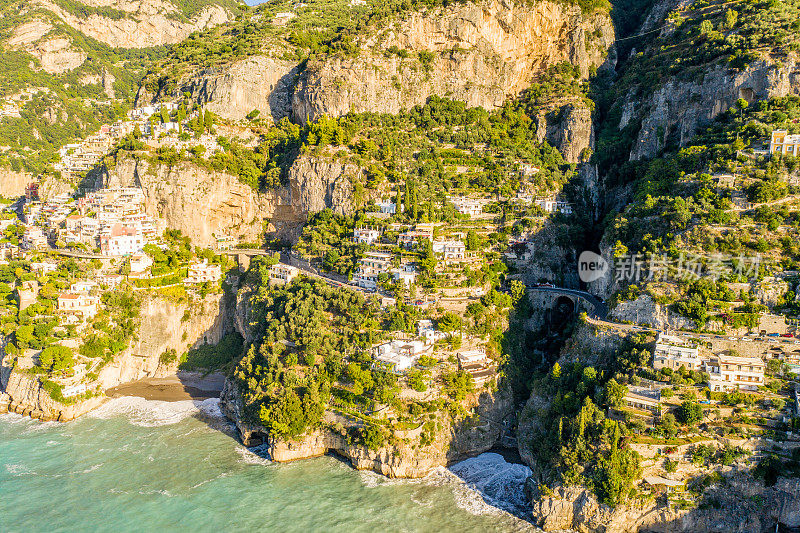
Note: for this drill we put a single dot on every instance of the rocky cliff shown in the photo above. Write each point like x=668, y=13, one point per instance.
x=12, y=184
x=679, y=108
x=480, y=53
x=203, y=203
x=405, y=457
x=165, y=325
x=257, y=83
x=749, y=507
x=145, y=23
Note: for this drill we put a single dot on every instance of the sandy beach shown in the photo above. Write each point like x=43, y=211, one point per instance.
x=178, y=387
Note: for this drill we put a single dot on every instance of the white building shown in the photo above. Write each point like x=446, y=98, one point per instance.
x=82, y=304
x=783, y=143
x=140, y=263
x=407, y=274
x=426, y=330
x=121, y=240
x=201, y=272
x=44, y=267
x=83, y=287
x=280, y=274
x=674, y=352
x=370, y=267
x=467, y=206
x=386, y=207
x=450, y=250
x=34, y=238
x=398, y=355
x=552, y=206
x=366, y=235
x=410, y=239
x=731, y=373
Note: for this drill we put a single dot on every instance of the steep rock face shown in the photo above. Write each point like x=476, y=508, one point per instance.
x=12, y=184
x=148, y=22
x=406, y=458
x=572, y=133
x=749, y=508
x=163, y=327
x=482, y=54
x=256, y=83
x=203, y=203
x=679, y=108
x=320, y=183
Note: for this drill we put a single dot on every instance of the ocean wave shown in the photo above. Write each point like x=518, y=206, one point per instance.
x=17, y=470
x=153, y=413
x=257, y=455
x=497, y=483
x=482, y=485
x=210, y=407
x=146, y=413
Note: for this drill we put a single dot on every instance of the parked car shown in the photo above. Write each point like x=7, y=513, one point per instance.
x=772, y=335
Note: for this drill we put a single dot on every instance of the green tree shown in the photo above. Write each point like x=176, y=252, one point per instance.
x=56, y=359
x=690, y=412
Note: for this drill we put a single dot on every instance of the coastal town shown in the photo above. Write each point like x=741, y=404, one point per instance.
x=544, y=257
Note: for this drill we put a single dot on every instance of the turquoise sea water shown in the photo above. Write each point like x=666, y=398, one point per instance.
x=137, y=465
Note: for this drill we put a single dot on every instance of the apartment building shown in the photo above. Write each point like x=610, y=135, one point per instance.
x=121, y=240
x=674, y=352
x=370, y=267
x=783, y=143
x=280, y=274
x=729, y=372
x=201, y=272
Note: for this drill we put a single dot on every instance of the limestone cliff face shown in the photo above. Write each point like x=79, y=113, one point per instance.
x=678, y=109
x=203, y=203
x=570, y=129
x=163, y=327
x=256, y=83
x=749, y=508
x=12, y=184
x=482, y=53
x=55, y=53
x=404, y=458
x=148, y=22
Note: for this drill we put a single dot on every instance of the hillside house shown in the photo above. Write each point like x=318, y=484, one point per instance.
x=386, y=207
x=110, y=281
x=450, y=250
x=729, y=372
x=783, y=143
x=140, y=263
x=370, y=267
x=407, y=274
x=552, y=205
x=34, y=238
x=411, y=239
x=475, y=363
x=44, y=267
x=121, y=240
x=674, y=352
x=202, y=272
x=280, y=274
x=366, y=235
x=643, y=399
x=467, y=206
x=81, y=304
x=399, y=355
